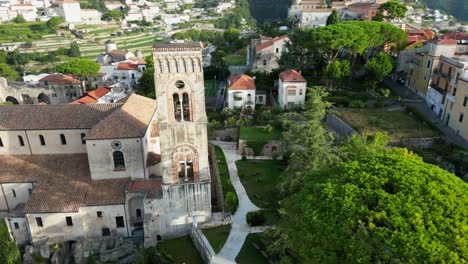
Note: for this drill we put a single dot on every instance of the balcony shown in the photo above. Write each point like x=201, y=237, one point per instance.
x=450, y=97
x=441, y=74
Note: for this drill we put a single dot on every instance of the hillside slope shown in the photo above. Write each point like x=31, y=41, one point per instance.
x=456, y=8
x=268, y=10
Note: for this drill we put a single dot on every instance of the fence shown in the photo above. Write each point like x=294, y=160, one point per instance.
x=201, y=243
x=339, y=126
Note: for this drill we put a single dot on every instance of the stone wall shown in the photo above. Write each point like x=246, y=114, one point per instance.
x=340, y=128
x=414, y=142
x=201, y=243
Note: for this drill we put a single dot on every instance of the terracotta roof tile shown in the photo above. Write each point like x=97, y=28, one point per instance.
x=62, y=182
x=60, y=79
x=130, y=121
x=85, y=100
x=152, y=159
x=291, y=76
x=127, y=67
x=269, y=43
x=118, y=52
x=241, y=82
x=71, y=116
x=99, y=92
x=145, y=186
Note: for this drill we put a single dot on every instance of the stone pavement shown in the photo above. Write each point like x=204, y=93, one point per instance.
x=412, y=99
x=240, y=229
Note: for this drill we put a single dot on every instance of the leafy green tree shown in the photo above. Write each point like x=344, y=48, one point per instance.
x=297, y=56
x=231, y=35
x=146, y=81
x=337, y=71
x=390, y=10
x=382, y=205
x=333, y=18
x=306, y=141
x=378, y=68
x=9, y=253
x=54, y=22
x=116, y=14
x=74, y=50
x=8, y=72
x=19, y=19
x=79, y=67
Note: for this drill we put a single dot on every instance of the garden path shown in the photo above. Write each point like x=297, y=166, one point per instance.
x=240, y=229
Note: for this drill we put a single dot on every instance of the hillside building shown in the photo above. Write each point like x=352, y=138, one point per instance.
x=292, y=88
x=263, y=54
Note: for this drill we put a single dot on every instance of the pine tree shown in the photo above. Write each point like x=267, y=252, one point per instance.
x=333, y=18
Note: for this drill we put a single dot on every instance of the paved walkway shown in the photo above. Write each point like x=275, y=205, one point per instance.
x=412, y=99
x=240, y=229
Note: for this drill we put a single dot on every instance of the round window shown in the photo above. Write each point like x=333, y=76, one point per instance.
x=180, y=84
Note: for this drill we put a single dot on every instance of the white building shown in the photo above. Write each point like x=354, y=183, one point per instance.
x=91, y=16
x=28, y=11
x=113, y=5
x=125, y=73
x=292, y=88
x=134, y=16
x=171, y=19
x=264, y=53
x=242, y=93
x=81, y=174
x=69, y=11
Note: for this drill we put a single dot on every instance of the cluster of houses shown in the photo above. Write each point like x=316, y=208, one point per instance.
x=71, y=12
x=314, y=13
x=438, y=72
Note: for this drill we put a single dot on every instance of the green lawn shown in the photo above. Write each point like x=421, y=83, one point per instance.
x=210, y=88
x=235, y=59
x=261, y=179
x=398, y=124
x=225, y=180
x=182, y=250
x=249, y=254
x=217, y=236
x=259, y=133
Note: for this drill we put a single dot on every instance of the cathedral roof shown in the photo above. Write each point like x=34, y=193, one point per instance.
x=38, y=117
x=195, y=46
x=130, y=121
x=62, y=182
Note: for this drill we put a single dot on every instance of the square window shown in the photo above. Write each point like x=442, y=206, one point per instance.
x=69, y=221
x=39, y=222
x=119, y=221
x=99, y=214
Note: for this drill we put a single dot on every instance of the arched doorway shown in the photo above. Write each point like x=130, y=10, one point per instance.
x=27, y=99
x=12, y=100
x=42, y=98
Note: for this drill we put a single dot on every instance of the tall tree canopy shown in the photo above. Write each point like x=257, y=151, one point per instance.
x=146, y=82
x=8, y=72
x=80, y=67
x=382, y=205
x=378, y=68
x=390, y=10
x=9, y=253
x=333, y=18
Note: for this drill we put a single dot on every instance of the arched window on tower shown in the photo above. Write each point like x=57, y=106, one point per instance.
x=185, y=164
x=186, y=107
x=119, y=161
x=177, y=107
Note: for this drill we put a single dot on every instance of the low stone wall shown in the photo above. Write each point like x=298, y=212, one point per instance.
x=268, y=149
x=228, y=134
x=201, y=243
x=414, y=142
x=340, y=128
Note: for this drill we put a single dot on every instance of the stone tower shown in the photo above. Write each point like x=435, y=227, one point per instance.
x=182, y=121
x=181, y=112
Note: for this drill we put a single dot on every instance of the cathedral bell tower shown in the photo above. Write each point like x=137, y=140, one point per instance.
x=181, y=113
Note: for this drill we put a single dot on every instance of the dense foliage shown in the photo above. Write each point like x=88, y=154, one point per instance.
x=146, y=82
x=54, y=22
x=9, y=253
x=380, y=206
x=8, y=72
x=390, y=10
x=79, y=67
x=239, y=18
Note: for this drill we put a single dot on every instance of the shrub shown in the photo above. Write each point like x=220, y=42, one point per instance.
x=357, y=104
x=256, y=218
x=385, y=92
x=231, y=201
x=257, y=146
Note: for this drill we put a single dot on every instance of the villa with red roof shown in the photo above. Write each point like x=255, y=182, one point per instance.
x=264, y=53
x=291, y=88
x=242, y=93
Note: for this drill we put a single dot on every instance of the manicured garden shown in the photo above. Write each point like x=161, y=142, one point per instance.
x=230, y=197
x=398, y=124
x=259, y=133
x=217, y=236
x=182, y=250
x=235, y=59
x=210, y=88
x=249, y=254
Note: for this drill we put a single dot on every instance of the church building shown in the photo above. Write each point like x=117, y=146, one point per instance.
x=139, y=167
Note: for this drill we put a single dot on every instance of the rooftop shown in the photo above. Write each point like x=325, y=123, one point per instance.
x=190, y=46
x=269, y=43
x=60, y=79
x=291, y=76
x=241, y=82
x=41, y=117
